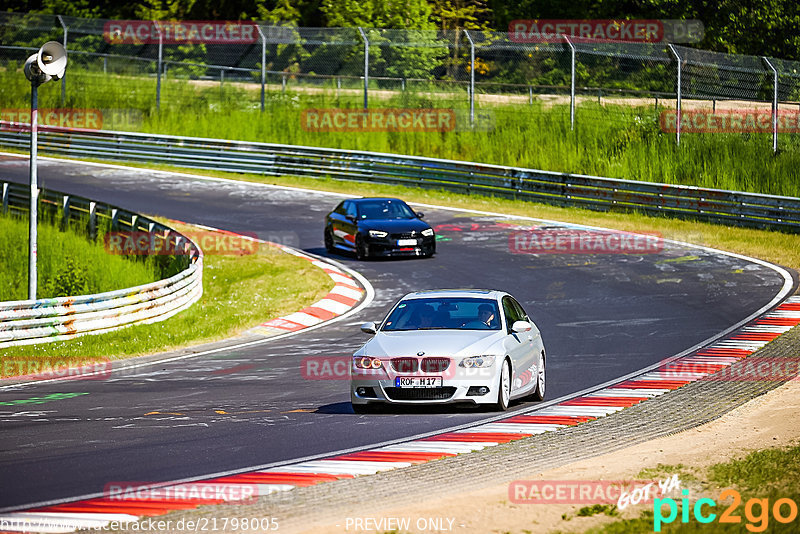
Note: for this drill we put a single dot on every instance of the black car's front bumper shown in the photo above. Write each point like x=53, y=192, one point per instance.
x=389, y=246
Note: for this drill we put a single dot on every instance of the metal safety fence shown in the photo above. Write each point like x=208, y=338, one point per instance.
x=27, y=322
x=461, y=67
x=729, y=207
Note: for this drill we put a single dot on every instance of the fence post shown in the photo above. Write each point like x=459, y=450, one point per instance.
x=5, y=197
x=65, y=210
x=774, y=105
x=159, y=65
x=572, y=83
x=93, y=220
x=366, y=67
x=678, y=116
x=263, y=63
x=471, y=79
x=63, y=78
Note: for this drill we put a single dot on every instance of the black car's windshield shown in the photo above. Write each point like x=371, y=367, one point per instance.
x=384, y=209
x=444, y=313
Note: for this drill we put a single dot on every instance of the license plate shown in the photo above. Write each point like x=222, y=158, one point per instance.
x=406, y=242
x=418, y=382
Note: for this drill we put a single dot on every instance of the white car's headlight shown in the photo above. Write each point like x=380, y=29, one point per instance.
x=377, y=233
x=427, y=232
x=477, y=361
x=367, y=362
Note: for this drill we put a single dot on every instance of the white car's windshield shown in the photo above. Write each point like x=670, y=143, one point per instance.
x=444, y=313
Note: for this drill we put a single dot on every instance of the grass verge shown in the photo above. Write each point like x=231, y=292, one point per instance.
x=67, y=263
x=238, y=292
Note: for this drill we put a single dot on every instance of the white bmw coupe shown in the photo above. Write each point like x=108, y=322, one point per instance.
x=449, y=346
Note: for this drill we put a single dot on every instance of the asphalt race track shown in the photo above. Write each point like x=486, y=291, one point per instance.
x=601, y=316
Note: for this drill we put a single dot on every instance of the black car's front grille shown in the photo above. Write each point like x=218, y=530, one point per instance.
x=405, y=235
x=412, y=394
x=405, y=365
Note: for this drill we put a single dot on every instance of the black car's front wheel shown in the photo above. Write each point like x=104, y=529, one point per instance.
x=362, y=249
x=328, y=240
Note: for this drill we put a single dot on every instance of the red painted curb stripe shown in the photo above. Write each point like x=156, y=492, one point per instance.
x=721, y=351
x=295, y=479
x=549, y=419
x=653, y=384
x=341, y=299
x=604, y=401
x=394, y=456
x=283, y=324
x=477, y=437
x=319, y=313
x=757, y=336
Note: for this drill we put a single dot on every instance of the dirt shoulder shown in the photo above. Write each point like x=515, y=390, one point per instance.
x=767, y=421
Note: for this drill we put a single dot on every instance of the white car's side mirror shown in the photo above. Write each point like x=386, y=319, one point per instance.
x=520, y=326
x=369, y=328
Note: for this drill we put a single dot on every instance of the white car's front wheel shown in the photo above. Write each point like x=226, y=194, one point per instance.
x=538, y=392
x=504, y=388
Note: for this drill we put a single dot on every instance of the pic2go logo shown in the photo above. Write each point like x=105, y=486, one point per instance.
x=756, y=511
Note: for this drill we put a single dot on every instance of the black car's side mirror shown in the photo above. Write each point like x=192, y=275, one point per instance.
x=350, y=218
x=420, y=214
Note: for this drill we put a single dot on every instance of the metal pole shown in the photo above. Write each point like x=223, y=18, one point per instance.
x=678, y=117
x=263, y=64
x=774, y=105
x=160, y=60
x=64, y=78
x=471, y=78
x=33, y=218
x=366, y=67
x=571, y=85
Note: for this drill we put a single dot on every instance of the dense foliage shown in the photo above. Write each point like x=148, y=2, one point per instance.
x=736, y=26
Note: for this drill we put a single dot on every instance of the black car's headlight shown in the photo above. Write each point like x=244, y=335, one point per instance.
x=427, y=232
x=377, y=233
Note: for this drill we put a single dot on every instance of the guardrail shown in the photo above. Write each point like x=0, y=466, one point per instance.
x=715, y=205
x=26, y=322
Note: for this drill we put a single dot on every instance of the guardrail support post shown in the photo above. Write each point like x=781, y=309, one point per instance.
x=774, y=105
x=571, y=83
x=678, y=116
x=263, y=64
x=134, y=223
x=366, y=67
x=471, y=79
x=5, y=197
x=63, y=78
x=114, y=218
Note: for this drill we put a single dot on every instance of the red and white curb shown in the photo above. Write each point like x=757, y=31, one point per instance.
x=702, y=363
x=344, y=296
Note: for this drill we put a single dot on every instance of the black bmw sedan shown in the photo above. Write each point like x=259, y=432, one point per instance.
x=378, y=227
